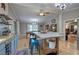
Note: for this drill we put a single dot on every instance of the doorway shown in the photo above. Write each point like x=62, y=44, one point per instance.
x=71, y=30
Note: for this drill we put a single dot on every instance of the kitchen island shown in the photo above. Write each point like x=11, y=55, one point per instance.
x=43, y=36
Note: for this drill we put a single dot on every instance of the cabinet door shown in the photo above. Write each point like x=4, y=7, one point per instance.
x=2, y=52
x=2, y=49
x=14, y=44
x=2, y=46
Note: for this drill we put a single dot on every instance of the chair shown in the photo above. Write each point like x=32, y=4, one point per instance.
x=33, y=43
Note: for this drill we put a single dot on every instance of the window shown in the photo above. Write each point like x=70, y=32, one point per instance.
x=32, y=27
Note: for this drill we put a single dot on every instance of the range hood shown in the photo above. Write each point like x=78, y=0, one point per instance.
x=4, y=19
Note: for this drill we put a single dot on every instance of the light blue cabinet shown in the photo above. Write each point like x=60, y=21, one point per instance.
x=2, y=52
x=2, y=46
x=13, y=46
x=14, y=43
x=2, y=49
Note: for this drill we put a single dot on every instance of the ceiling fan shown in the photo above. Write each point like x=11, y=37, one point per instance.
x=43, y=12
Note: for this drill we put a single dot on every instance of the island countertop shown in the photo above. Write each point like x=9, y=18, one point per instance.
x=3, y=39
x=48, y=34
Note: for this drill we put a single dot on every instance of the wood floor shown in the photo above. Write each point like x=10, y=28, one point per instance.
x=23, y=42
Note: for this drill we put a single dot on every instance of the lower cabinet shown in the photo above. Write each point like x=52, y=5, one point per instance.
x=9, y=48
x=2, y=46
x=2, y=49
x=14, y=44
x=2, y=52
x=13, y=49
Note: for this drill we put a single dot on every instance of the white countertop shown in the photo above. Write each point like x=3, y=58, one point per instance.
x=48, y=34
x=5, y=38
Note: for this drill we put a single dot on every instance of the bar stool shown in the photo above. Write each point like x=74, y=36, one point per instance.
x=33, y=44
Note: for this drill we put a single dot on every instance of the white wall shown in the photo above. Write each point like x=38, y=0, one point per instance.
x=23, y=28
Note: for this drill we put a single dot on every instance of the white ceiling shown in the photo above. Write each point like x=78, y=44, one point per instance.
x=27, y=12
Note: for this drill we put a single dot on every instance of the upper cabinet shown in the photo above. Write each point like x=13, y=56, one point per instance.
x=4, y=8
